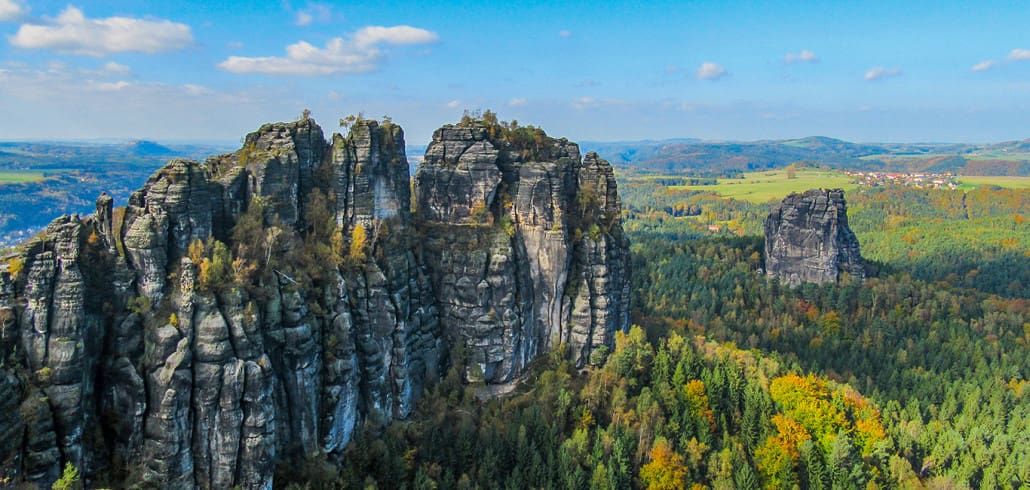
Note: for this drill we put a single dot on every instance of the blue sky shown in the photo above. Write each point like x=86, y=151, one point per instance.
x=190, y=70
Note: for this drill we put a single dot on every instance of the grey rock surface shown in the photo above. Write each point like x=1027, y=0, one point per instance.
x=524, y=245
x=807, y=239
x=258, y=307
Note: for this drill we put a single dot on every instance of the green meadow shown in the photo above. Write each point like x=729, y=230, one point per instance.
x=17, y=177
x=764, y=186
x=1008, y=182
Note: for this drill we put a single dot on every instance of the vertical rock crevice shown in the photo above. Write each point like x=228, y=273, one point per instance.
x=516, y=232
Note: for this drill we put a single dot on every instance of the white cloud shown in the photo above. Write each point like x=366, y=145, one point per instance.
x=12, y=10
x=315, y=12
x=805, y=56
x=360, y=54
x=776, y=116
x=879, y=73
x=57, y=67
x=60, y=80
x=518, y=102
x=400, y=35
x=984, y=65
x=109, y=69
x=682, y=106
x=116, y=68
x=710, y=71
x=454, y=104
x=72, y=33
x=193, y=89
x=36, y=97
x=564, y=33
x=113, y=86
x=1019, y=55
x=584, y=103
x=1014, y=56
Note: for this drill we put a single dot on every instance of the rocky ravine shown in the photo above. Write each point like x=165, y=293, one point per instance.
x=258, y=306
x=807, y=239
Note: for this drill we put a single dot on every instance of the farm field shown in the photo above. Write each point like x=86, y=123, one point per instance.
x=17, y=177
x=1008, y=182
x=764, y=186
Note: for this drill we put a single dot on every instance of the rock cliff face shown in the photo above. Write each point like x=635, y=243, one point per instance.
x=807, y=239
x=526, y=245
x=257, y=307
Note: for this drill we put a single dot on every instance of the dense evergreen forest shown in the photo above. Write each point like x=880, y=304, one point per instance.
x=914, y=378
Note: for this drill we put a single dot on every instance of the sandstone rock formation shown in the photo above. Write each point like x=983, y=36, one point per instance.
x=526, y=246
x=257, y=307
x=807, y=239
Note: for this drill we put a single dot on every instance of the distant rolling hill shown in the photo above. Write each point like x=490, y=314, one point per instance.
x=42, y=180
x=146, y=148
x=632, y=152
x=714, y=158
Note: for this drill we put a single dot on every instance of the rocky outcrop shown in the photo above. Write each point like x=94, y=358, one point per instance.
x=258, y=307
x=525, y=245
x=807, y=239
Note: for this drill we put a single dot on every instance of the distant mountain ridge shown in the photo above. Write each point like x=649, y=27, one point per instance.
x=713, y=158
x=148, y=148
x=76, y=171
x=72, y=155
x=56, y=178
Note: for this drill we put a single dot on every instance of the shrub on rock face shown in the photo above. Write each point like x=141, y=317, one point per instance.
x=140, y=305
x=70, y=479
x=15, y=266
x=599, y=356
x=215, y=271
x=358, y=241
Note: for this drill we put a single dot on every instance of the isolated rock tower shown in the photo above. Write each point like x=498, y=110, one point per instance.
x=807, y=239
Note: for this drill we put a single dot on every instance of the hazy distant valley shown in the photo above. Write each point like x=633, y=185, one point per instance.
x=42, y=180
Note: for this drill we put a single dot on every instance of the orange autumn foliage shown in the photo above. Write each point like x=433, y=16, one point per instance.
x=667, y=469
x=825, y=409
